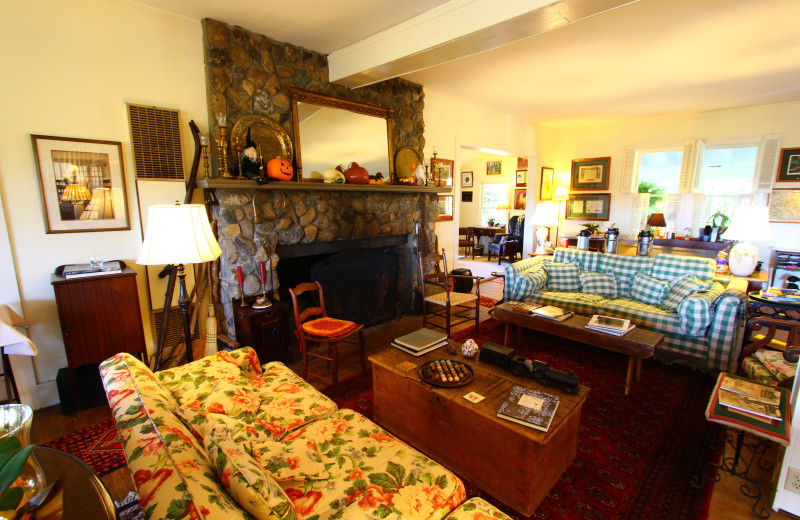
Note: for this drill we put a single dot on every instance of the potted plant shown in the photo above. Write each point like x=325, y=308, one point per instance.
x=13, y=457
x=592, y=228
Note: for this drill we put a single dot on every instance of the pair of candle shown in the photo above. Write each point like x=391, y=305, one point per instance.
x=263, y=268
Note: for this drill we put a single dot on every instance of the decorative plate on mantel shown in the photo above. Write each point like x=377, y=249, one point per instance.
x=404, y=162
x=264, y=131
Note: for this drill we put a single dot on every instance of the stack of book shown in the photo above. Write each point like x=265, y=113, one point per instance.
x=524, y=307
x=420, y=342
x=86, y=270
x=529, y=407
x=751, y=399
x=551, y=313
x=609, y=325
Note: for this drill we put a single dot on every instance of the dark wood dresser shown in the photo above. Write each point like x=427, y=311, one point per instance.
x=266, y=330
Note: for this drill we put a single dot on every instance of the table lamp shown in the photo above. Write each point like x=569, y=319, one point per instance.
x=546, y=215
x=176, y=235
x=560, y=195
x=656, y=220
x=749, y=223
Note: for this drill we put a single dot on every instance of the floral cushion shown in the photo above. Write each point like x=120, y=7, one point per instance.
x=477, y=508
x=246, y=479
x=290, y=460
x=373, y=474
x=563, y=277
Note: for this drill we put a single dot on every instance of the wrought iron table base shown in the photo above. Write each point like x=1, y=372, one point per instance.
x=731, y=464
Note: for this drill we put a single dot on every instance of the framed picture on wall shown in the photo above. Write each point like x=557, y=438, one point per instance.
x=442, y=171
x=522, y=163
x=522, y=178
x=445, y=208
x=520, y=197
x=82, y=183
x=494, y=167
x=589, y=174
x=784, y=206
x=789, y=170
x=588, y=207
x=466, y=196
x=466, y=179
x=546, y=183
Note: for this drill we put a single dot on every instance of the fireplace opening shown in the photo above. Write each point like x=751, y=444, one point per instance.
x=359, y=285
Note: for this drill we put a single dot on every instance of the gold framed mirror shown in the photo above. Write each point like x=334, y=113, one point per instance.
x=329, y=131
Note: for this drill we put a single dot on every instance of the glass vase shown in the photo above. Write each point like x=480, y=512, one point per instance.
x=15, y=420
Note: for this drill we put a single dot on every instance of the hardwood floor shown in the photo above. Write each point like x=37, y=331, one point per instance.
x=727, y=503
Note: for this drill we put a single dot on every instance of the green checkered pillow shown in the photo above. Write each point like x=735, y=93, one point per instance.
x=604, y=284
x=533, y=280
x=649, y=290
x=563, y=277
x=681, y=289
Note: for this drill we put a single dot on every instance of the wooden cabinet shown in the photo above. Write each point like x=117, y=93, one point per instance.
x=100, y=316
x=266, y=330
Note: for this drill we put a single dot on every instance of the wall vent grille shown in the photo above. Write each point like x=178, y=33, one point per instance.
x=175, y=326
x=156, y=142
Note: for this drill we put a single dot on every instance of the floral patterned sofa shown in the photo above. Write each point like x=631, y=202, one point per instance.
x=674, y=294
x=224, y=437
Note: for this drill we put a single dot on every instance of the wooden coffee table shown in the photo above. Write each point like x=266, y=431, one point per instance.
x=637, y=344
x=515, y=464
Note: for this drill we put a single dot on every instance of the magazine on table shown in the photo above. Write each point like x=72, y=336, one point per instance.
x=748, y=404
x=525, y=308
x=85, y=270
x=610, y=325
x=552, y=313
x=752, y=389
x=420, y=352
x=529, y=407
x=421, y=339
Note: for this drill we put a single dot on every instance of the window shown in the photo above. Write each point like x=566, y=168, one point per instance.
x=494, y=195
x=659, y=175
x=728, y=171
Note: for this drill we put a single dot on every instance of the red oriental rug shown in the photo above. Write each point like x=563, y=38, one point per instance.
x=636, y=453
x=98, y=445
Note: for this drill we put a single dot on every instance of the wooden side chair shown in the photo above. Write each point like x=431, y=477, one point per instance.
x=766, y=359
x=468, y=242
x=438, y=297
x=320, y=335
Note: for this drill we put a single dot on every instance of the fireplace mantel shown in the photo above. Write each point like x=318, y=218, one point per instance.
x=235, y=184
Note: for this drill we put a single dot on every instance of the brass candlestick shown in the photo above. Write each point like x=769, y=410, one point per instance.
x=204, y=151
x=238, y=146
x=222, y=147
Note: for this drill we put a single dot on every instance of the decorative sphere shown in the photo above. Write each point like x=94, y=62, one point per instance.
x=470, y=349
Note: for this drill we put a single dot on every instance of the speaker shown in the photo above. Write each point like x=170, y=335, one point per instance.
x=88, y=384
x=462, y=285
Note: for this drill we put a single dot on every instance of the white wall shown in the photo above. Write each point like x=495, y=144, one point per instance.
x=455, y=126
x=715, y=128
x=69, y=67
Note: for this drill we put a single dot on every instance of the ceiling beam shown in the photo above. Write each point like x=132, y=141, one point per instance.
x=454, y=30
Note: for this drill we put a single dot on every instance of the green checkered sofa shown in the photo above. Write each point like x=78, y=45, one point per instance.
x=700, y=325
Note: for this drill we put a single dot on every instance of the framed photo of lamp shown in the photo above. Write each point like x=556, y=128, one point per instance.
x=789, y=170
x=588, y=207
x=520, y=199
x=589, y=174
x=82, y=183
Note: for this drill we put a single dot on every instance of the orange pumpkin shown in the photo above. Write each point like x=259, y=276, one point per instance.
x=279, y=168
x=356, y=174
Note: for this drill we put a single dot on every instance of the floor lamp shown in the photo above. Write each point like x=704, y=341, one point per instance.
x=177, y=234
x=559, y=196
x=546, y=215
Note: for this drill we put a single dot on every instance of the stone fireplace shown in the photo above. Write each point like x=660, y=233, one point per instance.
x=364, y=243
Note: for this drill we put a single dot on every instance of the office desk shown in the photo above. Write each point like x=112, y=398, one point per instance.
x=480, y=232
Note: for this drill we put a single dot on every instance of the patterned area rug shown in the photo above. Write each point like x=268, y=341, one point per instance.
x=98, y=445
x=488, y=302
x=636, y=453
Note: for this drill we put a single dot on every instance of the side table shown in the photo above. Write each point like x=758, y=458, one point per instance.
x=746, y=434
x=760, y=306
x=266, y=330
x=85, y=496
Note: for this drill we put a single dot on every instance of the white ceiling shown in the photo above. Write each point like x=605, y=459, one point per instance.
x=652, y=57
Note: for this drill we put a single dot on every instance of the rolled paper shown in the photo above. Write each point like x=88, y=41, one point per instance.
x=239, y=274
x=263, y=273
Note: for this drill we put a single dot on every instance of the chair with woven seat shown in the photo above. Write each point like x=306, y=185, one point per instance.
x=314, y=326
x=440, y=300
x=468, y=242
x=768, y=360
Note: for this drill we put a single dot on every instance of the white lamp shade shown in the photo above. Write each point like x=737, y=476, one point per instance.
x=750, y=223
x=560, y=194
x=178, y=234
x=546, y=214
